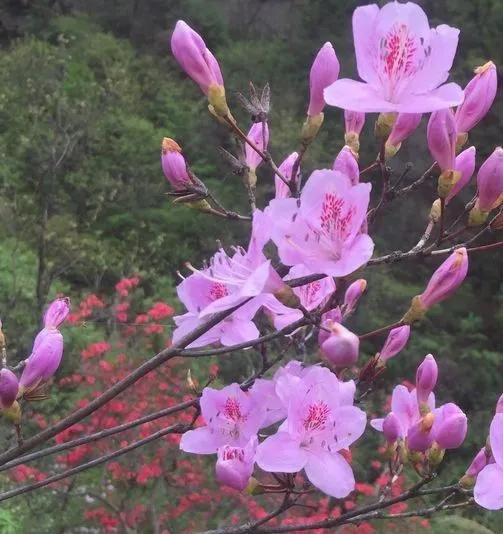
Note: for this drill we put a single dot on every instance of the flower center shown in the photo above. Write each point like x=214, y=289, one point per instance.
x=334, y=221
x=232, y=410
x=317, y=416
x=233, y=453
x=218, y=290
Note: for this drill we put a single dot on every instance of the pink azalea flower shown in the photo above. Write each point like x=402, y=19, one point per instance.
x=402, y=61
x=57, y=312
x=232, y=418
x=353, y=295
x=234, y=465
x=264, y=391
x=9, y=388
x=311, y=296
x=346, y=163
x=395, y=342
x=227, y=282
x=259, y=135
x=465, y=165
x=323, y=230
x=488, y=491
x=319, y=424
x=341, y=347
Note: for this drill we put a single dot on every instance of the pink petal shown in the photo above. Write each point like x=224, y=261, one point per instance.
x=199, y=441
x=364, y=20
x=350, y=424
x=377, y=424
x=330, y=473
x=357, y=96
x=238, y=331
x=488, y=491
x=496, y=438
x=281, y=454
x=357, y=254
x=445, y=96
x=404, y=406
x=347, y=393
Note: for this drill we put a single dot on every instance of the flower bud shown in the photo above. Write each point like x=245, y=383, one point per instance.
x=324, y=72
x=259, y=136
x=478, y=463
x=446, y=279
x=310, y=128
x=286, y=169
x=384, y=124
x=391, y=427
x=354, y=121
x=499, y=405
x=353, y=294
x=234, y=465
x=396, y=341
x=436, y=211
x=450, y=432
x=479, y=96
x=419, y=437
x=435, y=455
x=57, y=312
x=426, y=378
x=341, y=347
x=441, y=134
x=196, y=60
x=490, y=181
x=403, y=127
x=465, y=165
x=43, y=361
x=9, y=387
x=346, y=163
x=327, y=320
x=173, y=164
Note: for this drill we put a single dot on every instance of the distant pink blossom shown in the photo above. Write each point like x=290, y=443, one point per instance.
x=322, y=231
x=402, y=61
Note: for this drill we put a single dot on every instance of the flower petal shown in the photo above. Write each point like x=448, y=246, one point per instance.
x=350, y=424
x=364, y=20
x=488, y=491
x=496, y=438
x=200, y=441
x=357, y=96
x=330, y=473
x=281, y=454
x=445, y=96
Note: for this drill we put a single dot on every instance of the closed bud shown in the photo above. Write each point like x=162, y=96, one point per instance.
x=353, y=295
x=426, y=378
x=196, y=60
x=395, y=342
x=490, y=181
x=479, y=96
x=57, y=312
x=287, y=296
x=9, y=387
x=286, y=169
x=452, y=431
x=499, y=405
x=477, y=217
x=478, y=463
x=465, y=166
x=446, y=182
x=341, y=347
x=174, y=165
x=327, y=320
x=419, y=437
x=346, y=163
x=384, y=125
x=324, y=72
x=441, y=135
x=435, y=455
x=446, y=279
x=353, y=122
x=436, y=211
x=234, y=465
x=259, y=136
x=391, y=427
x=403, y=127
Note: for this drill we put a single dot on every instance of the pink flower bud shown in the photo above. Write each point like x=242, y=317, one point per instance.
x=426, y=378
x=341, y=347
x=465, y=165
x=419, y=436
x=446, y=279
x=450, y=426
x=327, y=320
x=442, y=134
x=57, y=312
x=479, y=96
x=286, y=168
x=9, y=387
x=173, y=164
x=391, y=427
x=234, y=465
x=324, y=72
x=353, y=295
x=195, y=59
x=490, y=181
x=478, y=463
x=353, y=121
x=403, y=127
x=260, y=138
x=43, y=361
x=396, y=341
x=346, y=163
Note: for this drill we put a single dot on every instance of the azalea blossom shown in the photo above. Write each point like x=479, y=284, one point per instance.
x=488, y=491
x=322, y=231
x=235, y=464
x=320, y=423
x=232, y=418
x=401, y=60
